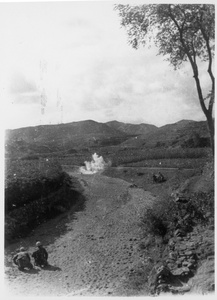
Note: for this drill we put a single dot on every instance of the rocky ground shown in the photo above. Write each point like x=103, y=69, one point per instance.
x=97, y=251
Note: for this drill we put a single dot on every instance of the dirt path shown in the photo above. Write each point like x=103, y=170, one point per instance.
x=91, y=252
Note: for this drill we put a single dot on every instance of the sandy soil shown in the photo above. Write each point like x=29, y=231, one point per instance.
x=92, y=251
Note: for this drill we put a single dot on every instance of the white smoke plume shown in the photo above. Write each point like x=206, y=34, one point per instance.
x=95, y=165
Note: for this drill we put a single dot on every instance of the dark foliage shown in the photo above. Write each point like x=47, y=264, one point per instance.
x=166, y=216
x=35, y=193
x=28, y=180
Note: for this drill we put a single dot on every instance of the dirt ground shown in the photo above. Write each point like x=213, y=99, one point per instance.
x=93, y=251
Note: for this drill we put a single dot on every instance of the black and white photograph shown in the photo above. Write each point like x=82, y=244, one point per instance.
x=108, y=126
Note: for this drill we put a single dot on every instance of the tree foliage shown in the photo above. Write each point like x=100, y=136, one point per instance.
x=184, y=32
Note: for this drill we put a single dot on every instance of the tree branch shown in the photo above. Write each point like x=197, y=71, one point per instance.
x=193, y=64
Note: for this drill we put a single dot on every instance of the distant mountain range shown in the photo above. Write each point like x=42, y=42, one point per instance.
x=185, y=134
x=87, y=134
x=134, y=129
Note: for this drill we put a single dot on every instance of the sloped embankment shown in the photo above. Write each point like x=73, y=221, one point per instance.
x=184, y=224
x=178, y=229
x=35, y=191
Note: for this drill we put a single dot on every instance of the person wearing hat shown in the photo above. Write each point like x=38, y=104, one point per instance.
x=40, y=256
x=22, y=259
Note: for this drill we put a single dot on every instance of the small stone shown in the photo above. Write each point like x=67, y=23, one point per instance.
x=172, y=266
x=163, y=287
x=172, y=256
x=191, y=265
x=211, y=257
x=179, y=263
x=188, y=253
x=180, y=271
x=198, y=251
x=192, y=261
x=182, y=246
x=181, y=289
x=181, y=259
x=208, y=214
x=185, y=263
x=182, y=254
x=190, y=245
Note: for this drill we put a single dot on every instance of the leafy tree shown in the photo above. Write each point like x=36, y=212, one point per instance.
x=184, y=32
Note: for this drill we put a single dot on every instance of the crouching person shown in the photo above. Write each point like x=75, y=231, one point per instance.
x=40, y=256
x=22, y=259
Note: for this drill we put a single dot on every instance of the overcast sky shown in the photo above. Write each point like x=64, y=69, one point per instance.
x=69, y=61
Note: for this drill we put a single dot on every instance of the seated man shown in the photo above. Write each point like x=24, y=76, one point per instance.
x=22, y=260
x=40, y=256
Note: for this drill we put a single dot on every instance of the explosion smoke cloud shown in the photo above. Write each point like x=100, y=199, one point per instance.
x=95, y=165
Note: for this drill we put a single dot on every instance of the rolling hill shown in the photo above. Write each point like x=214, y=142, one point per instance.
x=72, y=137
x=62, y=137
x=134, y=129
x=185, y=134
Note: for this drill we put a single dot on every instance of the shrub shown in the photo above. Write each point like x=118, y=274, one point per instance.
x=34, y=192
x=27, y=180
x=22, y=191
x=21, y=220
x=155, y=223
x=157, y=220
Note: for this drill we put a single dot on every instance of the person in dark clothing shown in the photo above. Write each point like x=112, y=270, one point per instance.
x=22, y=260
x=40, y=256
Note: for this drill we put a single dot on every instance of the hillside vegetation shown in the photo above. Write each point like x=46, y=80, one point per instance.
x=35, y=191
x=71, y=138
x=134, y=129
x=183, y=134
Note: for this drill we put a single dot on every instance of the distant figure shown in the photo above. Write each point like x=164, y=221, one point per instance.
x=22, y=259
x=40, y=256
x=158, y=178
x=161, y=177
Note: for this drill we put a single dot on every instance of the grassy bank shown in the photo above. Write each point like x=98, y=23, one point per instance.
x=35, y=191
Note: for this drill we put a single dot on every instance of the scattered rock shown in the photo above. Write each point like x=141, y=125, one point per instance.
x=180, y=289
x=133, y=186
x=181, y=271
x=180, y=197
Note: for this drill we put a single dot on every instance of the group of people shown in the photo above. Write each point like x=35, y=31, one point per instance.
x=22, y=258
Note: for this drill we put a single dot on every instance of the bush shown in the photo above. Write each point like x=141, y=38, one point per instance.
x=20, y=221
x=22, y=191
x=155, y=223
x=34, y=192
x=28, y=180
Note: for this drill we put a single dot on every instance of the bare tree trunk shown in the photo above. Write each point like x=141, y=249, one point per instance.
x=207, y=112
x=211, y=128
